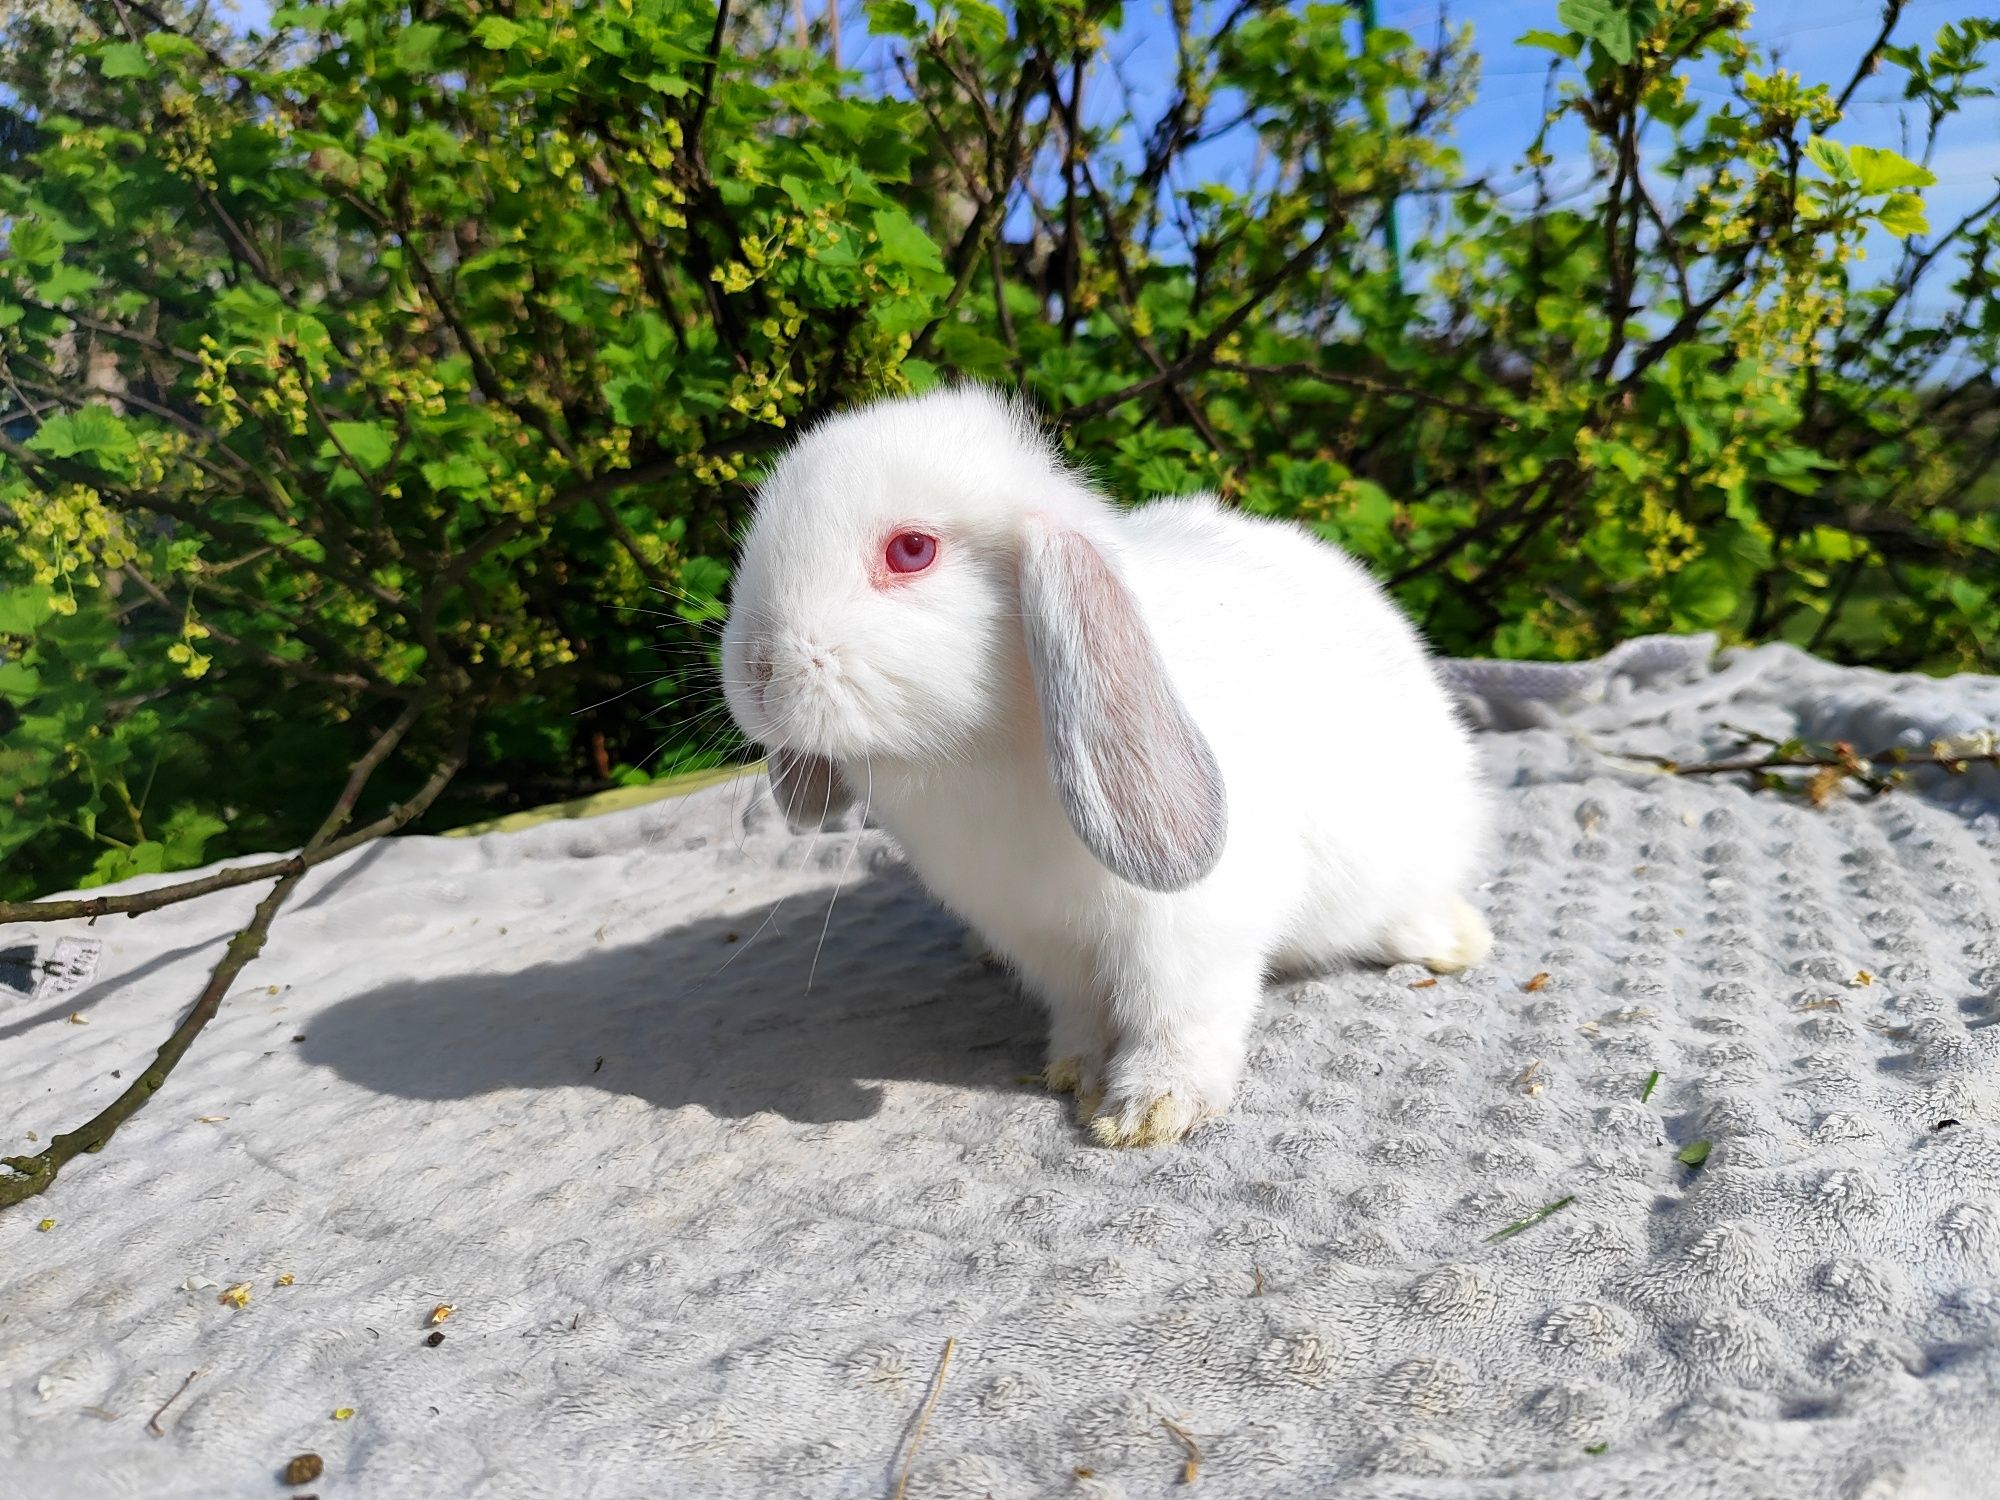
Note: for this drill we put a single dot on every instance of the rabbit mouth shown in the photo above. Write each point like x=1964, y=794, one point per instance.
x=799, y=697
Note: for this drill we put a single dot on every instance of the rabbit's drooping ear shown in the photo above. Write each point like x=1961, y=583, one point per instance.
x=809, y=789
x=1136, y=779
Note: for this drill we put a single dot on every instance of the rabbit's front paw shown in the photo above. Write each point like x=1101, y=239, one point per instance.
x=1149, y=1104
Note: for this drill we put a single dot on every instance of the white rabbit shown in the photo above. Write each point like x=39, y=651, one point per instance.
x=1149, y=755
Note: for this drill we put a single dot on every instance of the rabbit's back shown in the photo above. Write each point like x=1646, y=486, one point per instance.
x=1333, y=727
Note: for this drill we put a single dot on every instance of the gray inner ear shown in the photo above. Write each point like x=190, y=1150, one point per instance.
x=808, y=788
x=1137, y=780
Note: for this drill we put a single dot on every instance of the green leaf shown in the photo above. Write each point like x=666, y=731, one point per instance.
x=186, y=836
x=1615, y=25
x=1903, y=215
x=1566, y=43
x=416, y=47
x=87, y=432
x=903, y=243
x=23, y=610
x=1879, y=171
x=67, y=281
x=367, y=443
x=1702, y=595
x=894, y=18
x=1692, y=1155
x=125, y=60
x=1830, y=157
x=497, y=33
x=458, y=473
x=19, y=682
x=172, y=44
x=628, y=396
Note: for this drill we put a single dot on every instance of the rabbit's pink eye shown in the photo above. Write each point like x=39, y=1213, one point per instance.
x=911, y=552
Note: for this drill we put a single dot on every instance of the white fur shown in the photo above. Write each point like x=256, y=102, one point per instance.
x=1355, y=817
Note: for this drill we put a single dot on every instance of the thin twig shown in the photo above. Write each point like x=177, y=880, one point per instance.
x=34, y=1174
x=1892, y=12
x=153, y=1422
x=713, y=61
x=1301, y=370
x=923, y=1421
x=322, y=847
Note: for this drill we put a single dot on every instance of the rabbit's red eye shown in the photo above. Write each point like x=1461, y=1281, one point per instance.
x=911, y=552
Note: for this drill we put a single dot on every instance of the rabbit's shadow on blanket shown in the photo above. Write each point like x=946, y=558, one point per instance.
x=716, y=1013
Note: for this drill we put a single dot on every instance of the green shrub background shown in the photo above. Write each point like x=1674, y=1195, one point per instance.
x=429, y=353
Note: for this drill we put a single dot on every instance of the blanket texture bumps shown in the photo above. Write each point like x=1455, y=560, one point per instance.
x=709, y=1181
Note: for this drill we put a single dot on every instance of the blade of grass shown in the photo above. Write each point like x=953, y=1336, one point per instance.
x=1532, y=1220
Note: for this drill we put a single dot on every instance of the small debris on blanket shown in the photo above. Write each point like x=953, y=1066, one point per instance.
x=304, y=1469
x=1528, y=1082
x=1652, y=1082
x=1825, y=1002
x=1944, y=1124
x=436, y=1337
x=198, y=1284
x=1862, y=979
x=236, y=1296
x=342, y=1413
x=598, y=1066
x=1539, y=982
x=1424, y=984
x=46, y=1225
x=153, y=1422
x=1595, y=1449
x=1693, y=1154
x=923, y=1421
x=442, y=1311
x=210, y=1119
x=76, y=1018
x=1191, y=1470
x=1630, y=1015
x=1257, y=1277
x=1532, y=1220
x=286, y=1279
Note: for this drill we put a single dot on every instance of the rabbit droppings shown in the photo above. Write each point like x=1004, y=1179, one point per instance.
x=1151, y=756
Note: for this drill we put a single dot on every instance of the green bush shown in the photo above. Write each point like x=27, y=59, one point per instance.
x=426, y=354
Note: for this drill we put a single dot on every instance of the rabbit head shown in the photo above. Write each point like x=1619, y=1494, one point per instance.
x=921, y=573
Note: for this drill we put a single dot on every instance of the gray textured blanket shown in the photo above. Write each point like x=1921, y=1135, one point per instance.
x=709, y=1181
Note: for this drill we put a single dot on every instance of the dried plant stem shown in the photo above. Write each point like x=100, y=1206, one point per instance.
x=924, y=1420
x=34, y=1174
x=1894, y=757
x=1191, y=1470
x=1878, y=771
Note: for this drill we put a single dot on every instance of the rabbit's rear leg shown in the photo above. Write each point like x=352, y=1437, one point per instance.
x=1444, y=942
x=1182, y=1035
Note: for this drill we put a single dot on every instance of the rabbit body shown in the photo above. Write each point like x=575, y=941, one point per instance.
x=1209, y=748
